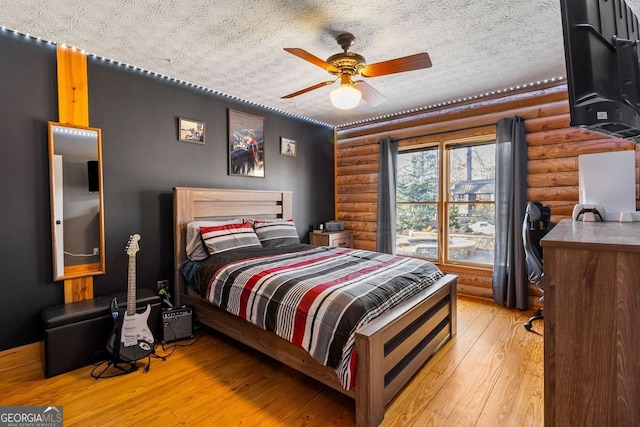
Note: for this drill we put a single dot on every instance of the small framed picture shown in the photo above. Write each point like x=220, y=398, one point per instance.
x=288, y=147
x=190, y=130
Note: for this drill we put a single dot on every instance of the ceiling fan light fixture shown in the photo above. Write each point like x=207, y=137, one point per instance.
x=347, y=65
x=345, y=97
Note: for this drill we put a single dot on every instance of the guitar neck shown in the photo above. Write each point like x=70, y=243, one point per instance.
x=131, y=289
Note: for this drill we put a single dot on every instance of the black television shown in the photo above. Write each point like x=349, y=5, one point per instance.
x=601, y=41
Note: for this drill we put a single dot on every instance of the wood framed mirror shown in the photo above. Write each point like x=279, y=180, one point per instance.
x=77, y=224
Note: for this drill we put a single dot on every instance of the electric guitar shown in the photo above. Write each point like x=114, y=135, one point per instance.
x=131, y=339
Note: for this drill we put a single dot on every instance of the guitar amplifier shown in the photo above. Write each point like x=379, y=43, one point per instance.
x=177, y=323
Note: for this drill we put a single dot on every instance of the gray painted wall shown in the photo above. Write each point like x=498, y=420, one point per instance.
x=142, y=161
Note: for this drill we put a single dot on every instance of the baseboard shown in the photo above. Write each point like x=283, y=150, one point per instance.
x=534, y=300
x=18, y=356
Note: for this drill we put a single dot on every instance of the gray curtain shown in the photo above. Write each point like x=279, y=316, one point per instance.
x=387, y=170
x=509, y=271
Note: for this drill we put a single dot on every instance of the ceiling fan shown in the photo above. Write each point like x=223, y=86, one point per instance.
x=347, y=65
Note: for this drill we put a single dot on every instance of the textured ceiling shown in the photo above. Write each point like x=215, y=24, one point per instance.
x=235, y=46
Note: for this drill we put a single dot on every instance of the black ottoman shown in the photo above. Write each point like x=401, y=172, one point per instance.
x=76, y=334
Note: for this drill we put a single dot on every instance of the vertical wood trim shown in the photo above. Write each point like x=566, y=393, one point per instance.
x=443, y=198
x=73, y=109
x=78, y=289
x=73, y=92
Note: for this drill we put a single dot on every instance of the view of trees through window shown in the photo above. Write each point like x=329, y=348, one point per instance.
x=462, y=214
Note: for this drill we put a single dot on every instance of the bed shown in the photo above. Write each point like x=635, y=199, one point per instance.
x=390, y=349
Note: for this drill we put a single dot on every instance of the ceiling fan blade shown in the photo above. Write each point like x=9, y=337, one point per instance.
x=308, y=89
x=369, y=94
x=301, y=53
x=398, y=65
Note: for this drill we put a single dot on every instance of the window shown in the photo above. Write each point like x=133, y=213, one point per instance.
x=446, y=202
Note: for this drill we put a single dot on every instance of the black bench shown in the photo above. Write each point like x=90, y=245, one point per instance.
x=76, y=334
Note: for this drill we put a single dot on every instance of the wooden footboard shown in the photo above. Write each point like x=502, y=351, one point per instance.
x=393, y=347
x=390, y=349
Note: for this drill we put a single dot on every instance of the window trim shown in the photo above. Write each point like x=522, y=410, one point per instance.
x=444, y=146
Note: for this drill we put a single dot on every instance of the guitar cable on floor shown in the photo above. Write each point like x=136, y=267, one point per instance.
x=132, y=363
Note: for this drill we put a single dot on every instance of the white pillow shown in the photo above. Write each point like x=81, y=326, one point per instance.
x=195, y=247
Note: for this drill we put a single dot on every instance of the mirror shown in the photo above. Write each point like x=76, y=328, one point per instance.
x=77, y=226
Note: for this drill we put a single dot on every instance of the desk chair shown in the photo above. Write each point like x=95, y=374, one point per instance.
x=537, y=223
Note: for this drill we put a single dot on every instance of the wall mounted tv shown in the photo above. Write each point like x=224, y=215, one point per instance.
x=603, y=76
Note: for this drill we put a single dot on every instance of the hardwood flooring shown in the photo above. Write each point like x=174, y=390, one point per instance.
x=490, y=374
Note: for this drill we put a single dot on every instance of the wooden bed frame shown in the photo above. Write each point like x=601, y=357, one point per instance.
x=390, y=349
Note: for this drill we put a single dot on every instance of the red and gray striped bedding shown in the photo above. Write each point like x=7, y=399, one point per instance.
x=314, y=297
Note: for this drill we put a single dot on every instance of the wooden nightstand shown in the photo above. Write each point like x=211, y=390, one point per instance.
x=342, y=239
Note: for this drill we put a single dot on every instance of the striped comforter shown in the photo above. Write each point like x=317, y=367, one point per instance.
x=314, y=297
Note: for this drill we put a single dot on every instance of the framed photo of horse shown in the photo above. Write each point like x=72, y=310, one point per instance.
x=246, y=144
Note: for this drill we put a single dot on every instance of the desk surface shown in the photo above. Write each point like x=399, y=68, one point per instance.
x=621, y=236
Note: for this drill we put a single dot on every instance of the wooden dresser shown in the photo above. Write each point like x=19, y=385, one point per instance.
x=343, y=239
x=592, y=324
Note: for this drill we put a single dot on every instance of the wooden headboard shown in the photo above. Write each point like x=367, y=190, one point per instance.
x=196, y=204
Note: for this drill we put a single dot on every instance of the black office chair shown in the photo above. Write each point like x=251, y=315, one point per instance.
x=537, y=223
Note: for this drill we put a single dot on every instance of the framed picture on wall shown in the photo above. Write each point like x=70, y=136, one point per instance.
x=246, y=144
x=288, y=147
x=190, y=130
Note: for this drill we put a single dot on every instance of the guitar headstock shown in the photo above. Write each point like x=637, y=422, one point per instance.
x=132, y=244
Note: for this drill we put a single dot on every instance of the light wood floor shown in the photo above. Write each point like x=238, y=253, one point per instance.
x=490, y=374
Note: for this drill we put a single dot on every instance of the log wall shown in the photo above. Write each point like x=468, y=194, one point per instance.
x=552, y=171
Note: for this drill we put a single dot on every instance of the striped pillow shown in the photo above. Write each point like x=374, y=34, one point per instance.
x=273, y=234
x=196, y=250
x=230, y=236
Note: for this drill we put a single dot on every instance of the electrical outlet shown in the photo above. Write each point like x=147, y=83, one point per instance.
x=96, y=251
x=163, y=284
